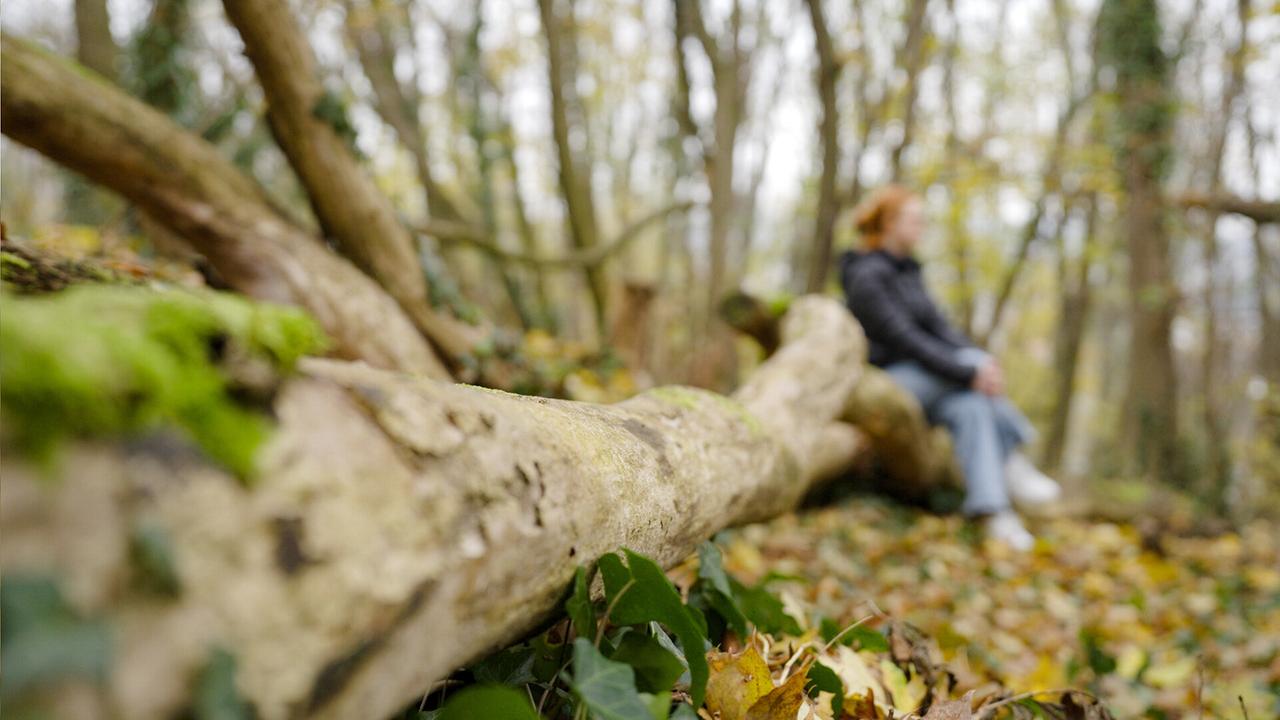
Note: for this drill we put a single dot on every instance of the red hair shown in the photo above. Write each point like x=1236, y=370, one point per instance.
x=875, y=213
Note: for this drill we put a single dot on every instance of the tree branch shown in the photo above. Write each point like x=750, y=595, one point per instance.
x=592, y=257
x=351, y=209
x=1260, y=211
x=183, y=182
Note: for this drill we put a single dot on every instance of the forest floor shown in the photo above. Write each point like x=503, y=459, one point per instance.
x=1155, y=625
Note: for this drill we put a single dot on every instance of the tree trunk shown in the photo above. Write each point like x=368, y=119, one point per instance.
x=575, y=180
x=827, y=74
x=402, y=527
x=912, y=56
x=1073, y=314
x=912, y=456
x=351, y=209
x=96, y=49
x=369, y=32
x=184, y=183
x=1129, y=42
x=1218, y=454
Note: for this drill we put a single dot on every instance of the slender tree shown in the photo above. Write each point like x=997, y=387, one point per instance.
x=1129, y=36
x=575, y=176
x=827, y=74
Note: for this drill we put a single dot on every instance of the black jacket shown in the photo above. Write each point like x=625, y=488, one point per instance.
x=887, y=295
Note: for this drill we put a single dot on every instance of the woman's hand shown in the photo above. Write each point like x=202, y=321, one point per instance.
x=989, y=378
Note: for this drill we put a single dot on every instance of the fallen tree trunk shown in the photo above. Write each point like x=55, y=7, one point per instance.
x=402, y=527
x=185, y=184
x=914, y=457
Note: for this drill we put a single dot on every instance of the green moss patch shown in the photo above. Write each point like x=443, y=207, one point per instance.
x=112, y=361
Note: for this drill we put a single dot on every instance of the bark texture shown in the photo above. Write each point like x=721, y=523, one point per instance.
x=96, y=49
x=402, y=527
x=183, y=182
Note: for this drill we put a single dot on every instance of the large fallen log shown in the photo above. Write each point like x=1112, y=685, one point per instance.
x=401, y=527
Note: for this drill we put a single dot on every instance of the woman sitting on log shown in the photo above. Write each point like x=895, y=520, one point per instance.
x=958, y=385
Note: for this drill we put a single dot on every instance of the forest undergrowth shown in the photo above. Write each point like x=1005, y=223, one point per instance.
x=1155, y=625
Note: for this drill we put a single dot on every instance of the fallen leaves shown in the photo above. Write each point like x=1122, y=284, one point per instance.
x=737, y=682
x=1152, y=628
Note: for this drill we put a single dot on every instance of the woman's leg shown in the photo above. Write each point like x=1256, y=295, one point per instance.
x=927, y=388
x=1014, y=427
x=975, y=432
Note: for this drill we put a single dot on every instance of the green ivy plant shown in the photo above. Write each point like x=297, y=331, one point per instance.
x=638, y=652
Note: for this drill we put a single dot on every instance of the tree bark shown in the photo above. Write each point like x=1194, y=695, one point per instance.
x=1260, y=211
x=1074, y=303
x=351, y=209
x=826, y=75
x=402, y=527
x=575, y=180
x=96, y=49
x=1129, y=32
x=185, y=184
x=913, y=55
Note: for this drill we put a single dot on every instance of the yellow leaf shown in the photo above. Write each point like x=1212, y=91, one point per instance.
x=859, y=682
x=1171, y=673
x=782, y=703
x=907, y=694
x=1130, y=661
x=736, y=683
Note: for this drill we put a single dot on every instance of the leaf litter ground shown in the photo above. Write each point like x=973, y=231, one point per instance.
x=1156, y=626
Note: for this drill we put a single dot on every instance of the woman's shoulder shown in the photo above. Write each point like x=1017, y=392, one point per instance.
x=854, y=264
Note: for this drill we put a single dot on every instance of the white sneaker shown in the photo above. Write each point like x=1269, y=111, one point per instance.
x=1028, y=487
x=1006, y=527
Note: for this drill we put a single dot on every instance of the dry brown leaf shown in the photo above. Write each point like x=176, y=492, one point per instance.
x=961, y=709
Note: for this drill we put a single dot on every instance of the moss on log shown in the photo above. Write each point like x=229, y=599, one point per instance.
x=113, y=361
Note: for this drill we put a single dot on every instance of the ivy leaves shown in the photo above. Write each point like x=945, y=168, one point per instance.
x=640, y=592
x=638, y=652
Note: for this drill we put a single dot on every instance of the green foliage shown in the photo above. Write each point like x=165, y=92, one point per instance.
x=332, y=110
x=216, y=696
x=162, y=71
x=764, y=609
x=42, y=639
x=657, y=668
x=1129, y=35
x=823, y=678
x=859, y=636
x=717, y=590
x=487, y=701
x=513, y=666
x=606, y=687
x=151, y=556
x=620, y=661
x=107, y=361
x=579, y=606
x=639, y=592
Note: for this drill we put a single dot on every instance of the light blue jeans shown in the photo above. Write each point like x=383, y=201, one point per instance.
x=985, y=430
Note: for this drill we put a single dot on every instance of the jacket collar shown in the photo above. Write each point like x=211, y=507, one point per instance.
x=900, y=263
